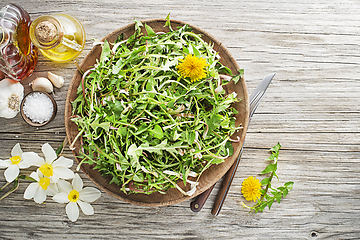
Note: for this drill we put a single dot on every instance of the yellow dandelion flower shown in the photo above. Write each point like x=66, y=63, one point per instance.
x=192, y=67
x=251, y=189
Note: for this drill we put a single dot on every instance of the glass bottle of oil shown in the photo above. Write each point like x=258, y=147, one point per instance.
x=59, y=37
x=18, y=56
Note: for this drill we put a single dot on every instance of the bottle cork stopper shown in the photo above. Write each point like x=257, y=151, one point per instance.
x=45, y=31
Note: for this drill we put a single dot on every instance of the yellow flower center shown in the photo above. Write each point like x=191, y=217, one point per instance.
x=47, y=170
x=192, y=67
x=251, y=189
x=44, y=183
x=73, y=196
x=15, y=160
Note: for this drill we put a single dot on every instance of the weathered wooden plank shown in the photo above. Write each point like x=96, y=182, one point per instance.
x=311, y=108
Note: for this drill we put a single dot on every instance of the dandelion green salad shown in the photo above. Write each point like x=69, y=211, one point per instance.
x=153, y=110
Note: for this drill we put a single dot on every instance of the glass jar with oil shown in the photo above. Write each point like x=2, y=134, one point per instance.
x=18, y=56
x=59, y=37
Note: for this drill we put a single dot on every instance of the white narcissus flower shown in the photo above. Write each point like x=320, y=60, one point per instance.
x=39, y=189
x=11, y=95
x=75, y=195
x=14, y=164
x=50, y=167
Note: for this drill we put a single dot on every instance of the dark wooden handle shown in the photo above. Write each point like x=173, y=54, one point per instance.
x=224, y=189
x=197, y=205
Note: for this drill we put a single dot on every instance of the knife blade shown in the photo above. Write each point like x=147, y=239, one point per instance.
x=196, y=205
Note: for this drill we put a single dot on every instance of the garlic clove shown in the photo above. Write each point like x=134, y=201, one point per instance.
x=8, y=113
x=58, y=81
x=42, y=84
x=11, y=95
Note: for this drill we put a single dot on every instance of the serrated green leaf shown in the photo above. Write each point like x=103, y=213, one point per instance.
x=237, y=77
x=192, y=136
x=134, y=152
x=270, y=202
x=265, y=181
x=195, y=51
x=59, y=149
x=150, y=32
x=276, y=148
x=105, y=52
x=268, y=169
x=168, y=24
x=157, y=132
x=138, y=177
x=275, y=173
x=285, y=192
x=241, y=72
x=185, y=176
x=289, y=185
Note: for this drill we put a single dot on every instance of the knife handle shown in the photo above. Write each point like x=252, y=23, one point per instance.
x=197, y=205
x=224, y=189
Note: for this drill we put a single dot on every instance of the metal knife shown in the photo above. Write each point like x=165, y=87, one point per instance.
x=196, y=205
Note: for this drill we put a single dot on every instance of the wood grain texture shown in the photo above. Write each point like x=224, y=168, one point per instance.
x=311, y=107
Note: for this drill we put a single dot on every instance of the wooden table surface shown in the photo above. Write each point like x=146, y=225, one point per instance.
x=312, y=108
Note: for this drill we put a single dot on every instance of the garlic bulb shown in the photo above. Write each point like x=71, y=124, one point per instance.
x=58, y=81
x=11, y=95
x=42, y=84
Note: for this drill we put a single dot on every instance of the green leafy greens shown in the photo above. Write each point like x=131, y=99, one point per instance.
x=270, y=194
x=146, y=126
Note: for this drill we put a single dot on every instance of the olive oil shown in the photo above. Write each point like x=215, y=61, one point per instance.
x=59, y=37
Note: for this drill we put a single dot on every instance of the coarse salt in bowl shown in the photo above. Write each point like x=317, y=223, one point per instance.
x=38, y=108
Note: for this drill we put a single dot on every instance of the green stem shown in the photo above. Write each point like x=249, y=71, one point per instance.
x=16, y=185
x=6, y=184
x=267, y=185
x=266, y=188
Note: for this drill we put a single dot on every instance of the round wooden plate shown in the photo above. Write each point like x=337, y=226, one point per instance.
x=211, y=175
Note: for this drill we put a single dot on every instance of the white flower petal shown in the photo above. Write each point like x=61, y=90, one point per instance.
x=49, y=152
x=63, y=172
x=89, y=194
x=35, y=176
x=5, y=163
x=63, y=162
x=40, y=195
x=33, y=159
x=64, y=186
x=23, y=164
x=52, y=190
x=31, y=190
x=61, y=198
x=77, y=183
x=72, y=211
x=54, y=178
x=16, y=151
x=86, y=208
x=11, y=173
